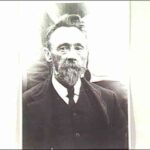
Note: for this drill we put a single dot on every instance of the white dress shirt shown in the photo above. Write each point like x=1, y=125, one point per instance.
x=62, y=91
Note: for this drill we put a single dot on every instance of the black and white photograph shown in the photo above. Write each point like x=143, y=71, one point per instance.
x=68, y=102
x=76, y=74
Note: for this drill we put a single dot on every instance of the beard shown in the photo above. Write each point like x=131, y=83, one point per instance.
x=69, y=72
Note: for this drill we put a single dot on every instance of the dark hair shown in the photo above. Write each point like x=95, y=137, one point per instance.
x=66, y=20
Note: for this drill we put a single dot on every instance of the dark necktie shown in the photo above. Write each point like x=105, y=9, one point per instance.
x=70, y=96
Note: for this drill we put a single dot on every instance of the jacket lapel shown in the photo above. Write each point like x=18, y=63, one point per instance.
x=96, y=92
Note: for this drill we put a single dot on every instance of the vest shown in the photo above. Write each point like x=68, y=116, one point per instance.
x=80, y=127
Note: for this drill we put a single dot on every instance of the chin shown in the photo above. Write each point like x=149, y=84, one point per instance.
x=68, y=77
x=71, y=80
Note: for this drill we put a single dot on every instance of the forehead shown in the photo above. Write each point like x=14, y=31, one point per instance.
x=69, y=35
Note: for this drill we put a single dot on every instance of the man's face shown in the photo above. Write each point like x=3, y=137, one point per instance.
x=69, y=54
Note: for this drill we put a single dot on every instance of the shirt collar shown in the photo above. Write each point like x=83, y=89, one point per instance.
x=62, y=91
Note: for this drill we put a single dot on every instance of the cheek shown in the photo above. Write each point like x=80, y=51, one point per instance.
x=84, y=58
x=56, y=59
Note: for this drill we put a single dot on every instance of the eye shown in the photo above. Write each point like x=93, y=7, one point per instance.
x=79, y=48
x=63, y=48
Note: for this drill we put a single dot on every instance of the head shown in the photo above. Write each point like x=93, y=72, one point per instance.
x=67, y=49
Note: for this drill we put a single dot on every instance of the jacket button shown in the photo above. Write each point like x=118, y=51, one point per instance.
x=74, y=114
x=77, y=134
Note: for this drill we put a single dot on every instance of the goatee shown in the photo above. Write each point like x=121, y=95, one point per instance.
x=69, y=72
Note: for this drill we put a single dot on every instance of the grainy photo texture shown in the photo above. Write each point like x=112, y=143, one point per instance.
x=63, y=107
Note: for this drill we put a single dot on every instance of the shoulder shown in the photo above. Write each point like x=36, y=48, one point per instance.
x=106, y=97
x=104, y=92
x=30, y=95
x=102, y=89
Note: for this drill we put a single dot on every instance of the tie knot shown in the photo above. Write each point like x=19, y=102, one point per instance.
x=70, y=92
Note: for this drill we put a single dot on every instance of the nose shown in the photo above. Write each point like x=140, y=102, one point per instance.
x=72, y=55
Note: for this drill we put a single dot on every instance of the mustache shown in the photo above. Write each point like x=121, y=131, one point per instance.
x=70, y=63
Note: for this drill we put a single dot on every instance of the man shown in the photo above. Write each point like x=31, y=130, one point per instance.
x=66, y=111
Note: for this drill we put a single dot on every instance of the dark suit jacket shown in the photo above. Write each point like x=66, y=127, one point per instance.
x=37, y=114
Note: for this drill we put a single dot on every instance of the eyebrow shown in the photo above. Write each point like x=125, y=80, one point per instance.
x=79, y=44
x=67, y=44
x=64, y=44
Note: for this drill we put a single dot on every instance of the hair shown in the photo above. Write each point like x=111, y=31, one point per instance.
x=66, y=20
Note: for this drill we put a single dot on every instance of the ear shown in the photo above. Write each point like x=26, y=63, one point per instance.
x=47, y=54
